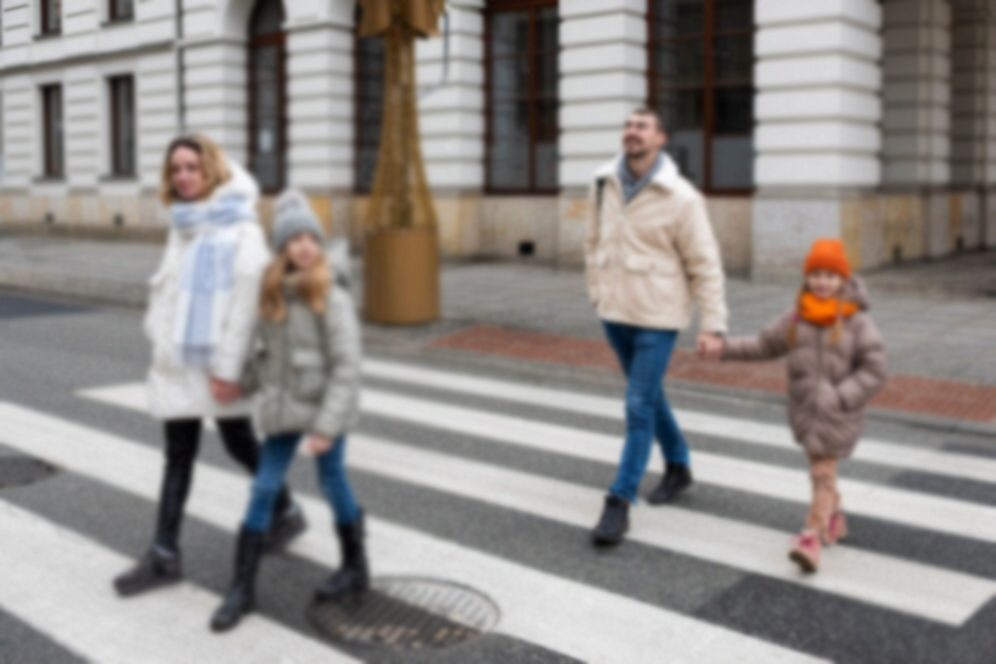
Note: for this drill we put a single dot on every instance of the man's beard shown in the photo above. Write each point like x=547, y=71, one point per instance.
x=637, y=152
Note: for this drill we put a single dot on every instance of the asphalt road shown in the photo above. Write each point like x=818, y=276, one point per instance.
x=490, y=484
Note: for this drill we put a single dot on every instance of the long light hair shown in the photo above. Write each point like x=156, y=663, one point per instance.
x=213, y=165
x=312, y=287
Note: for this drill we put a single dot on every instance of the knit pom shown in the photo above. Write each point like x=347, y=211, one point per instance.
x=292, y=200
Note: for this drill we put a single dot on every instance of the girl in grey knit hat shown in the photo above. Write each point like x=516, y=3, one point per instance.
x=306, y=371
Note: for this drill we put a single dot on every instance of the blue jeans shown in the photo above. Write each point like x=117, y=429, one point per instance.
x=274, y=460
x=644, y=355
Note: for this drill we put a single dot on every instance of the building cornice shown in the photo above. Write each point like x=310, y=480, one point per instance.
x=88, y=58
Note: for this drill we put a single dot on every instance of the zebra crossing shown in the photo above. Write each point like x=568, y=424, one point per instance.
x=556, y=612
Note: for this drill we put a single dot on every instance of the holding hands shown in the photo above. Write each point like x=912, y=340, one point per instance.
x=224, y=392
x=710, y=346
x=317, y=444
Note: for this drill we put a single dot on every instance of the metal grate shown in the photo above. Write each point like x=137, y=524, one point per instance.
x=406, y=614
x=18, y=471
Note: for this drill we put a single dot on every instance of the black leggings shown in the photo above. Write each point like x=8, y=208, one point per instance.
x=183, y=439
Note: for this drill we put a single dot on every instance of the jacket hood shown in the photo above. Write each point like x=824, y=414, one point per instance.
x=241, y=184
x=666, y=177
x=856, y=292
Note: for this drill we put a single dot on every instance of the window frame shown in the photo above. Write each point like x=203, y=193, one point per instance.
x=116, y=134
x=496, y=7
x=708, y=87
x=45, y=18
x=50, y=158
x=113, y=16
x=358, y=186
x=278, y=39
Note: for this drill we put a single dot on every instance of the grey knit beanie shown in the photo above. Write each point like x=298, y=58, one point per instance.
x=294, y=215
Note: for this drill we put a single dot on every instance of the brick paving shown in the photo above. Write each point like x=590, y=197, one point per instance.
x=915, y=394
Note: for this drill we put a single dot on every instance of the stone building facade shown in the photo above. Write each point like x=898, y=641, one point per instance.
x=870, y=121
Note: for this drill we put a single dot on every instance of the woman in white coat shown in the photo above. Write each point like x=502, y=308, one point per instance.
x=202, y=312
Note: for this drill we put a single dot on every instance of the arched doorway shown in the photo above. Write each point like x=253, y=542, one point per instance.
x=268, y=95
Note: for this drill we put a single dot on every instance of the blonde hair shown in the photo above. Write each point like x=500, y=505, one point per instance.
x=213, y=165
x=312, y=287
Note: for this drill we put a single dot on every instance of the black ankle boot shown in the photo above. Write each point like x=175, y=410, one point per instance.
x=676, y=479
x=353, y=576
x=241, y=597
x=287, y=525
x=614, y=523
x=156, y=569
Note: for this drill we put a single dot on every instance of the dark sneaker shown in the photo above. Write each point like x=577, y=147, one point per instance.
x=614, y=523
x=155, y=570
x=285, y=528
x=676, y=479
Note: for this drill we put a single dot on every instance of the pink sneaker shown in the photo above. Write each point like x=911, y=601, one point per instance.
x=837, y=529
x=806, y=551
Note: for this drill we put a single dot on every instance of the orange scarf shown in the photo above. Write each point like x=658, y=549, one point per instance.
x=824, y=313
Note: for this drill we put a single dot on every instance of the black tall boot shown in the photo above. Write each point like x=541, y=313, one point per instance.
x=353, y=576
x=161, y=564
x=241, y=597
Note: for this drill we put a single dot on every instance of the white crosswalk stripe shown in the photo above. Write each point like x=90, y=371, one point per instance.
x=540, y=608
x=870, y=450
x=899, y=585
x=943, y=515
x=935, y=513
x=57, y=599
x=562, y=615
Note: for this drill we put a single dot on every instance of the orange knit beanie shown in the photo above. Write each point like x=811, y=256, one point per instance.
x=828, y=254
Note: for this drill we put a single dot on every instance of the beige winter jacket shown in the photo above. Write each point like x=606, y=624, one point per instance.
x=829, y=383
x=649, y=260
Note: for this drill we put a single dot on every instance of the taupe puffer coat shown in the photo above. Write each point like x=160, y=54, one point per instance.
x=307, y=368
x=829, y=382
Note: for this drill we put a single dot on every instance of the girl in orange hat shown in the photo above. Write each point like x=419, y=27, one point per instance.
x=836, y=364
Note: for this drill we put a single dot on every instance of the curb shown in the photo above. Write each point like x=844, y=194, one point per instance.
x=77, y=289
x=135, y=296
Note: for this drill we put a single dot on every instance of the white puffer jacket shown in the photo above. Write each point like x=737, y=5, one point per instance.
x=176, y=392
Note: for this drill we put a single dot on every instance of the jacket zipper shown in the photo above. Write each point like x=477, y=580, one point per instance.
x=283, y=369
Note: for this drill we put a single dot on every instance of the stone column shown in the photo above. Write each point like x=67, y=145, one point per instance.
x=973, y=116
x=320, y=111
x=818, y=139
x=603, y=67
x=451, y=119
x=916, y=127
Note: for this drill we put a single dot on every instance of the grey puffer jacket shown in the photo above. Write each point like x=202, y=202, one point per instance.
x=829, y=382
x=306, y=369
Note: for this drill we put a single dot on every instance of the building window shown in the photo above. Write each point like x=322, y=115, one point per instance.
x=123, y=126
x=121, y=10
x=522, y=129
x=268, y=95
x=701, y=68
x=51, y=17
x=54, y=166
x=369, y=86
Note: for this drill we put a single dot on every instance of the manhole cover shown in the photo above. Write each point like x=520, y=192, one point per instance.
x=18, y=471
x=406, y=614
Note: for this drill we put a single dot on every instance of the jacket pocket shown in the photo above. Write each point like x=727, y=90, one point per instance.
x=309, y=374
x=654, y=286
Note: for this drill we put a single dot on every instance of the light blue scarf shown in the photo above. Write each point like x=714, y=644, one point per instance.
x=207, y=277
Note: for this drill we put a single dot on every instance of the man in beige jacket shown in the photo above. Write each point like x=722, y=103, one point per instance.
x=650, y=252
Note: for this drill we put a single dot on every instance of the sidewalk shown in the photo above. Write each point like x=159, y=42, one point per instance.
x=942, y=348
